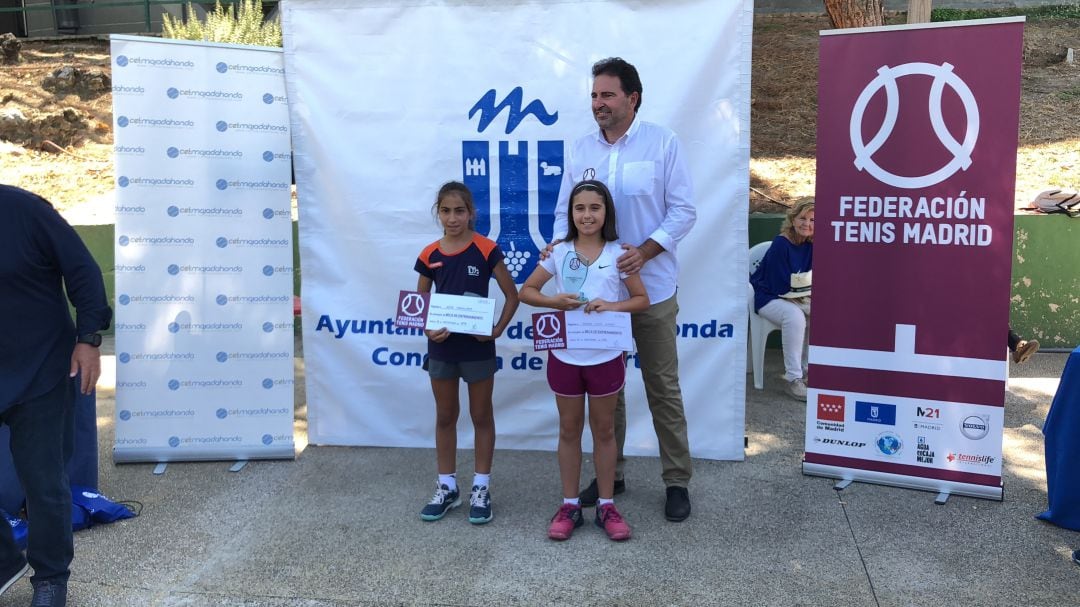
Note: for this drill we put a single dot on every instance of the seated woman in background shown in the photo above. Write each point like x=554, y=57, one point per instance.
x=782, y=290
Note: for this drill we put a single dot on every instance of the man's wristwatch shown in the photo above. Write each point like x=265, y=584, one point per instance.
x=92, y=339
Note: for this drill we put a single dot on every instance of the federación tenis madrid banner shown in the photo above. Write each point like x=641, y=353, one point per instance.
x=917, y=133
x=390, y=101
x=204, y=277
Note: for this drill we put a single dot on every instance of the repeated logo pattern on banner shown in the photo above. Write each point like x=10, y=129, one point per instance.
x=492, y=95
x=204, y=277
x=917, y=133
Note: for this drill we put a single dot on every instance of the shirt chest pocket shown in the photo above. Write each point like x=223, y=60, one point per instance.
x=638, y=178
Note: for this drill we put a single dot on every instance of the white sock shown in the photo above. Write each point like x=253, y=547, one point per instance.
x=481, y=480
x=602, y=501
x=571, y=500
x=450, y=480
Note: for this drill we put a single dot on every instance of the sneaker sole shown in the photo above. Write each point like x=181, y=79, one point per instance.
x=481, y=520
x=15, y=578
x=435, y=517
x=560, y=538
x=614, y=538
x=676, y=519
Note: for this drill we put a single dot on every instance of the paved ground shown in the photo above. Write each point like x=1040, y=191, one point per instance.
x=339, y=527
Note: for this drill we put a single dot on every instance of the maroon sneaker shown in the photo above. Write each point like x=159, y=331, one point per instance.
x=612, y=522
x=565, y=521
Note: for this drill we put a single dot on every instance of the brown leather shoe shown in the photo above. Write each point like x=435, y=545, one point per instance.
x=1024, y=350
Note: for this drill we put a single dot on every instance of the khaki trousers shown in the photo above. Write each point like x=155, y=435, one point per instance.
x=654, y=334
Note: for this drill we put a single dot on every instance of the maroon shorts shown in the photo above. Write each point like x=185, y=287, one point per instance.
x=603, y=379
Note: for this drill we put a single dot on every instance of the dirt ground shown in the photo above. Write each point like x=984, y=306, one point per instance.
x=56, y=114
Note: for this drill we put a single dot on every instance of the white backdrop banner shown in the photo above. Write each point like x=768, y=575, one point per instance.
x=204, y=277
x=389, y=102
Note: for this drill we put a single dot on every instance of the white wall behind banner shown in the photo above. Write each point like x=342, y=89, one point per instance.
x=204, y=326
x=388, y=103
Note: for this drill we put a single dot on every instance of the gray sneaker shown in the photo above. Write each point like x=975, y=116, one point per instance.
x=49, y=594
x=796, y=388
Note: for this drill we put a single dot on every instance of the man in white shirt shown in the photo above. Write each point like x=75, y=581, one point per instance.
x=642, y=165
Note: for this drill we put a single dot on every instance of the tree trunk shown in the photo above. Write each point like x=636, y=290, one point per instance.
x=919, y=11
x=855, y=13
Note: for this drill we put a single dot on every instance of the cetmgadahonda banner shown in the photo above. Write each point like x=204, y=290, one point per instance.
x=917, y=132
x=204, y=277
x=389, y=102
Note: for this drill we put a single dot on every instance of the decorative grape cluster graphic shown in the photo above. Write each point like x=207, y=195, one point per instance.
x=516, y=261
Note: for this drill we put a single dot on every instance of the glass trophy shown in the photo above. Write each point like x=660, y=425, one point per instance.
x=575, y=268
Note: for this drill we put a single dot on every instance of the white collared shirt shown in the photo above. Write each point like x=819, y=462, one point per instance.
x=652, y=190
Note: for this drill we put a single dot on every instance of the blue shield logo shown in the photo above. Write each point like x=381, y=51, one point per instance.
x=509, y=188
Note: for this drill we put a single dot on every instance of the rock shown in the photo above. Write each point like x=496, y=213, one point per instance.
x=62, y=80
x=68, y=79
x=9, y=48
x=67, y=127
x=12, y=116
x=96, y=82
x=10, y=149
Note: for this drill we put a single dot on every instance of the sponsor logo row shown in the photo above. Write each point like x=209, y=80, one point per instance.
x=199, y=441
x=833, y=414
x=157, y=181
x=184, y=153
x=832, y=410
x=172, y=356
x=220, y=413
x=201, y=327
x=218, y=383
x=125, y=299
x=174, y=269
x=221, y=67
x=175, y=211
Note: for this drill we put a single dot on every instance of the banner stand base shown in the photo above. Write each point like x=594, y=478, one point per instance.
x=943, y=488
x=237, y=458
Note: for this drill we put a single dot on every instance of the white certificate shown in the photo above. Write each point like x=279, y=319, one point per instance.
x=599, y=330
x=461, y=314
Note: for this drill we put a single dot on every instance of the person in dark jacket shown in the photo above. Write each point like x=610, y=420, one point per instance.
x=46, y=359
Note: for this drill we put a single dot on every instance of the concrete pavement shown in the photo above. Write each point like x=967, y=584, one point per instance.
x=339, y=527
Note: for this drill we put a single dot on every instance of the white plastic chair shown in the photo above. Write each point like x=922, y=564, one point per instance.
x=759, y=328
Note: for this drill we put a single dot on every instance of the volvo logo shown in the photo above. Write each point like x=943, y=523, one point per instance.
x=975, y=427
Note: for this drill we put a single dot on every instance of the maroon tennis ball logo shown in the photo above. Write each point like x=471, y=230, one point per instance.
x=412, y=304
x=548, y=326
